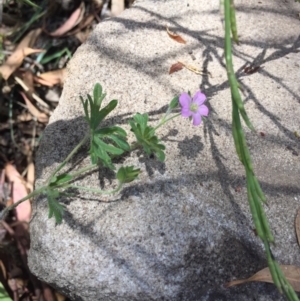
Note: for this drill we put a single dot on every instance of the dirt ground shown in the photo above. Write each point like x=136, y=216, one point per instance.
x=37, y=39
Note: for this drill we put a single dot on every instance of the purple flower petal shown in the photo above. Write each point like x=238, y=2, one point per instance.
x=199, y=98
x=203, y=110
x=186, y=112
x=196, y=118
x=185, y=100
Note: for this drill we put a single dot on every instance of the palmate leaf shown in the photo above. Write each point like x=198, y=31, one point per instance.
x=146, y=137
x=98, y=97
x=94, y=116
x=55, y=208
x=127, y=174
x=97, y=118
x=105, y=141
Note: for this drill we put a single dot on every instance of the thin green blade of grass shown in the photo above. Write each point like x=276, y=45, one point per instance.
x=28, y=2
x=38, y=14
x=56, y=55
x=255, y=194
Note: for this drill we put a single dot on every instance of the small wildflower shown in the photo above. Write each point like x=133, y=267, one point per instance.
x=193, y=107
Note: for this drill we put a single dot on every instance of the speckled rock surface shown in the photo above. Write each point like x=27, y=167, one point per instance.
x=184, y=228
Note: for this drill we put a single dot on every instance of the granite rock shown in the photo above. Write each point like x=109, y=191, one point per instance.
x=184, y=228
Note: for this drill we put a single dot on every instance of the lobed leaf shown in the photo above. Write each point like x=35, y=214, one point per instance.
x=97, y=94
x=85, y=107
x=127, y=174
x=120, y=142
x=55, y=208
x=146, y=137
x=97, y=117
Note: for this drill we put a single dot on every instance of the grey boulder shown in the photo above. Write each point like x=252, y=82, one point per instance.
x=184, y=228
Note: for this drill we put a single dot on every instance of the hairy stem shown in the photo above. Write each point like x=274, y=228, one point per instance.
x=164, y=121
x=34, y=193
x=72, y=153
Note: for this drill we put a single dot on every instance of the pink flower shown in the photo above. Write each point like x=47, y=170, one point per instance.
x=193, y=107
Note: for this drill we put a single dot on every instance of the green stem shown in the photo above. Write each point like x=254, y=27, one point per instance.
x=72, y=153
x=83, y=170
x=163, y=121
x=90, y=167
x=13, y=206
x=229, y=66
x=255, y=194
x=233, y=22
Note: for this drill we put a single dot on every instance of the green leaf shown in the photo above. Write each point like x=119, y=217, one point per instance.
x=127, y=174
x=55, y=208
x=85, y=107
x=4, y=296
x=116, y=134
x=30, y=3
x=174, y=103
x=110, y=130
x=58, y=180
x=99, y=116
x=105, y=141
x=141, y=121
x=98, y=153
x=97, y=95
x=120, y=142
x=107, y=148
x=160, y=155
x=146, y=137
x=91, y=102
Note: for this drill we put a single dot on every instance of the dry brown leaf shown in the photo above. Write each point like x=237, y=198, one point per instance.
x=30, y=176
x=82, y=35
x=3, y=269
x=48, y=293
x=28, y=80
x=33, y=95
x=17, y=285
x=24, y=117
x=73, y=20
x=292, y=273
x=30, y=38
x=54, y=77
x=297, y=226
x=60, y=297
x=193, y=69
x=175, y=37
x=41, y=117
x=2, y=178
x=23, y=211
x=22, y=50
x=15, y=60
x=86, y=22
x=251, y=69
x=42, y=82
x=82, y=11
x=117, y=6
x=176, y=67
